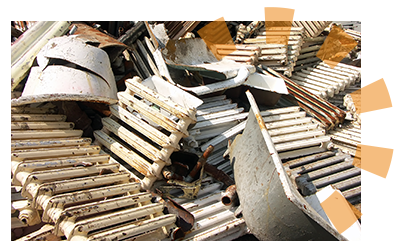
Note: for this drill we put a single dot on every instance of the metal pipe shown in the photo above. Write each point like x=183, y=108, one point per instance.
x=25, y=49
x=229, y=196
x=200, y=164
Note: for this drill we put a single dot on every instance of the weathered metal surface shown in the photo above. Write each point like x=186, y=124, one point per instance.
x=312, y=28
x=229, y=196
x=176, y=29
x=112, y=46
x=194, y=55
x=333, y=85
x=326, y=113
x=265, y=184
x=78, y=190
x=316, y=171
x=346, y=138
x=91, y=79
x=25, y=49
x=191, y=183
x=144, y=109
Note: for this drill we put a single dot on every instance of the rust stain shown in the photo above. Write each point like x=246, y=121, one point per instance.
x=261, y=122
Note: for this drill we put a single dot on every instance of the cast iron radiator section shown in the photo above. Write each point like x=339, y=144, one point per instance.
x=312, y=28
x=323, y=81
x=295, y=136
x=346, y=138
x=74, y=188
x=219, y=120
x=316, y=171
x=275, y=53
x=144, y=130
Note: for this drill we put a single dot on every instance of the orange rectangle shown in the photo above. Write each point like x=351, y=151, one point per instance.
x=278, y=19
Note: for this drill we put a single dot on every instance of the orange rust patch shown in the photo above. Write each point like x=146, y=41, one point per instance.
x=260, y=121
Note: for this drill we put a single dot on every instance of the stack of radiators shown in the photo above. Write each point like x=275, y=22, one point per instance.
x=64, y=181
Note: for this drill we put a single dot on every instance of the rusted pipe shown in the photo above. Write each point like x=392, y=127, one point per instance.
x=326, y=113
x=218, y=174
x=177, y=234
x=200, y=163
x=229, y=196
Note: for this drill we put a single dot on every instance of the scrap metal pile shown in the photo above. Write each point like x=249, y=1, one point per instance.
x=140, y=131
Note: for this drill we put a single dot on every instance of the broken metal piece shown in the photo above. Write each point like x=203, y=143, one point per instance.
x=185, y=219
x=105, y=42
x=189, y=187
x=190, y=190
x=218, y=174
x=176, y=29
x=194, y=55
x=70, y=70
x=265, y=184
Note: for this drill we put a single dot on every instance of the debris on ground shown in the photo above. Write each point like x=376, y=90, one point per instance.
x=145, y=130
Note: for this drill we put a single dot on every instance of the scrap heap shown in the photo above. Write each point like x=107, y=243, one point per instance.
x=142, y=131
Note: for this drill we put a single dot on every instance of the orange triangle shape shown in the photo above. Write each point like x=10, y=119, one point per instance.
x=220, y=19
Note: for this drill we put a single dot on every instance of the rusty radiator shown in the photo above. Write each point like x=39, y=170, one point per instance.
x=326, y=113
x=69, y=184
x=312, y=28
x=145, y=128
x=278, y=55
x=324, y=81
x=346, y=138
x=219, y=120
x=316, y=171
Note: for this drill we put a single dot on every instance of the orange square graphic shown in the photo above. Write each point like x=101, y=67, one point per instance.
x=278, y=24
